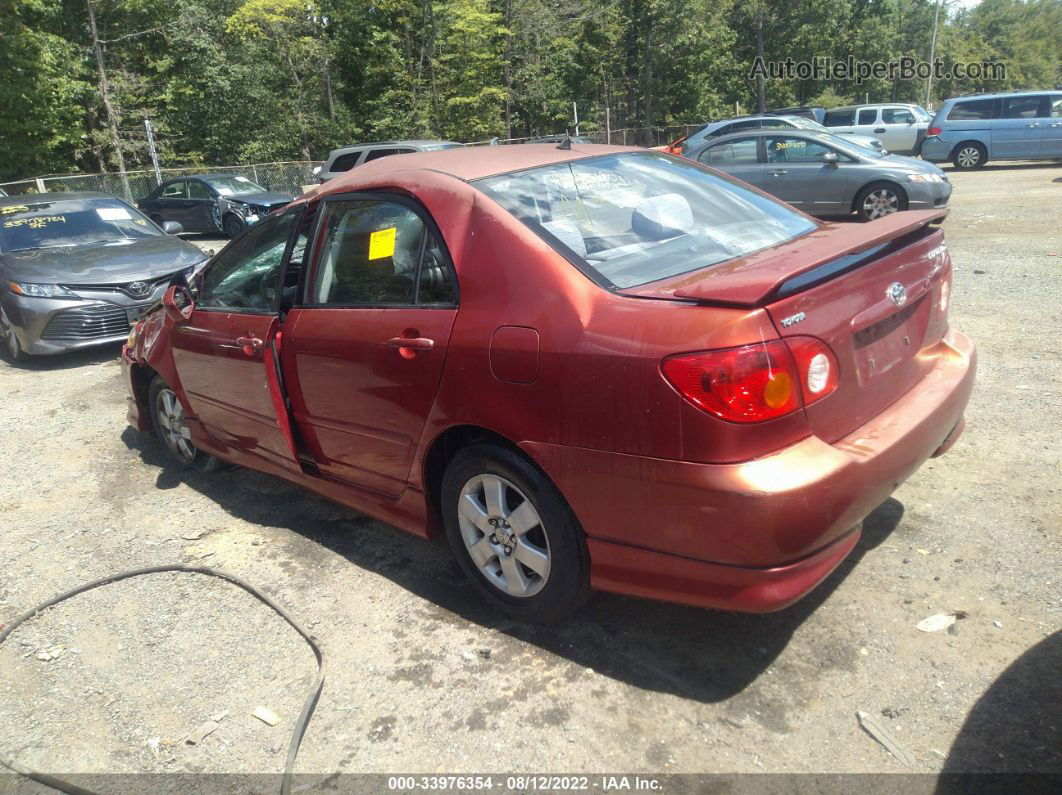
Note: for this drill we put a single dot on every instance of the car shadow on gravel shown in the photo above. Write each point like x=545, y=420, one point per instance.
x=67, y=361
x=706, y=655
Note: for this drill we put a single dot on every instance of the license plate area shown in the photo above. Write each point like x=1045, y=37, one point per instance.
x=893, y=341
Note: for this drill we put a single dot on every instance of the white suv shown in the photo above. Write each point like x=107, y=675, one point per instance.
x=901, y=127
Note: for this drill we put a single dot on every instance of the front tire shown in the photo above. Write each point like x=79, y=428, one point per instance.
x=11, y=342
x=880, y=199
x=234, y=226
x=167, y=417
x=513, y=534
x=969, y=156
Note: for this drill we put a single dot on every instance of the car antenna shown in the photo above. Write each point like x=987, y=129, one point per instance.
x=566, y=144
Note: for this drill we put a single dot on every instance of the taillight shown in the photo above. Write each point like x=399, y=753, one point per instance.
x=934, y=131
x=756, y=382
x=817, y=367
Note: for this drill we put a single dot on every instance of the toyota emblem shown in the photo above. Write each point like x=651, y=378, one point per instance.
x=897, y=293
x=138, y=289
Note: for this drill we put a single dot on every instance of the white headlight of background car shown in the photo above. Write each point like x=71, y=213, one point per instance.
x=40, y=290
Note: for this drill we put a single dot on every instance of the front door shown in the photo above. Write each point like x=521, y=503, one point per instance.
x=225, y=353
x=901, y=129
x=173, y=202
x=364, y=348
x=796, y=173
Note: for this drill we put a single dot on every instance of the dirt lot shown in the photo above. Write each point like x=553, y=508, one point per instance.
x=423, y=678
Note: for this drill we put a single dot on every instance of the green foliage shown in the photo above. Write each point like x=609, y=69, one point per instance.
x=228, y=81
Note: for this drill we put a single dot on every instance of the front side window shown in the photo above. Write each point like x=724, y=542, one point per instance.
x=790, y=149
x=731, y=153
x=868, y=115
x=378, y=252
x=632, y=218
x=198, y=190
x=972, y=110
x=897, y=116
x=245, y=275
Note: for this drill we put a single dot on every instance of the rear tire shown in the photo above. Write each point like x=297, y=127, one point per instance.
x=879, y=199
x=969, y=155
x=234, y=226
x=167, y=417
x=513, y=534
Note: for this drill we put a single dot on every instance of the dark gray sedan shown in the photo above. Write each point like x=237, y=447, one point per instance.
x=212, y=203
x=826, y=175
x=76, y=269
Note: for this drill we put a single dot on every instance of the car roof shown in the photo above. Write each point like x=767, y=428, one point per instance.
x=876, y=105
x=34, y=198
x=1002, y=94
x=474, y=162
x=409, y=142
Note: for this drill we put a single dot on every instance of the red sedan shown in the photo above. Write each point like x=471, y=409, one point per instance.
x=594, y=367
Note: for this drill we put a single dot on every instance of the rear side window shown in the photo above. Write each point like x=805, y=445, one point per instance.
x=377, y=252
x=345, y=162
x=972, y=110
x=1024, y=107
x=868, y=115
x=175, y=190
x=633, y=218
x=839, y=118
x=740, y=152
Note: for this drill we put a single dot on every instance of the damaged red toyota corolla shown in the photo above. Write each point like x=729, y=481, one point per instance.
x=592, y=368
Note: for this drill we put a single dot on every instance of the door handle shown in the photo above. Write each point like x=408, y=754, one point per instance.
x=249, y=344
x=412, y=343
x=1056, y=124
x=777, y=173
x=879, y=129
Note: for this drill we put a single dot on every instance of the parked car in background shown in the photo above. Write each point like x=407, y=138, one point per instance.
x=218, y=203
x=458, y=331
x=901, y=127
x=729, y=126
x=826, y=175
x=76, y=269
x=341, y=160
x=814, y=113
x=970, y=131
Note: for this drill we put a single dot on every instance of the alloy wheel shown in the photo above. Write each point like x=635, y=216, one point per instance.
x=503, y=534
x=968, y=157
x=174, y=429
x=880, y=202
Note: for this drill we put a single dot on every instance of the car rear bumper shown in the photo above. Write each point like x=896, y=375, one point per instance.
x=755, y=535
x=936, y=150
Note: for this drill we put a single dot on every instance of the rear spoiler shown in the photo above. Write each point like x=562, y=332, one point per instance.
x=830, y=250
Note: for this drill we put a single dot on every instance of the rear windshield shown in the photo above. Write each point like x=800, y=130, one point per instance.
x=633, y=218
x=72, y=222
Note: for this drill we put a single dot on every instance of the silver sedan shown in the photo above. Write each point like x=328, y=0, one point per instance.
x=825, y=175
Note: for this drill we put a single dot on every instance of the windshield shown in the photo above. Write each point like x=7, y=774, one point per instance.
x=846, y=142
x=234, y=186
x=804, y=124
x=70, y=222
x=633, y=218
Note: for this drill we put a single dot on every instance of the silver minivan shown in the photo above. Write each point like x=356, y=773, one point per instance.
x=345, y=158
x=900, y=126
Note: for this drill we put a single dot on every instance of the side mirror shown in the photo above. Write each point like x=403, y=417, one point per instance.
x=172, y=228
x=830, y=158
x=178, y=303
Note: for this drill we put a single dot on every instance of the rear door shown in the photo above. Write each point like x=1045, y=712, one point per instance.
x=867, y=122
x=1019, y=130
x=364, y=348
x=795, y=172
x=173, y=202
x=225, y=354
x=202, y=205
x=739, y=157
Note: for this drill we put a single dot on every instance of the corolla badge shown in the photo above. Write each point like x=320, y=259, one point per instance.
x=138, y=289
x=897, y=293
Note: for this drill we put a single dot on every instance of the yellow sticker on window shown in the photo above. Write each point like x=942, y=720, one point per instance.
x=382, y=243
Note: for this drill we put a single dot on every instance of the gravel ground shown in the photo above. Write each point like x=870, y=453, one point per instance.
x=422, y=678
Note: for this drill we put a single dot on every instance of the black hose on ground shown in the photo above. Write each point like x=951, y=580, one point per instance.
x=10, y=762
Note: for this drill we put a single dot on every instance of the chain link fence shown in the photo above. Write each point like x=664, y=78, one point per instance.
x=627, y=136
x=285, y=177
